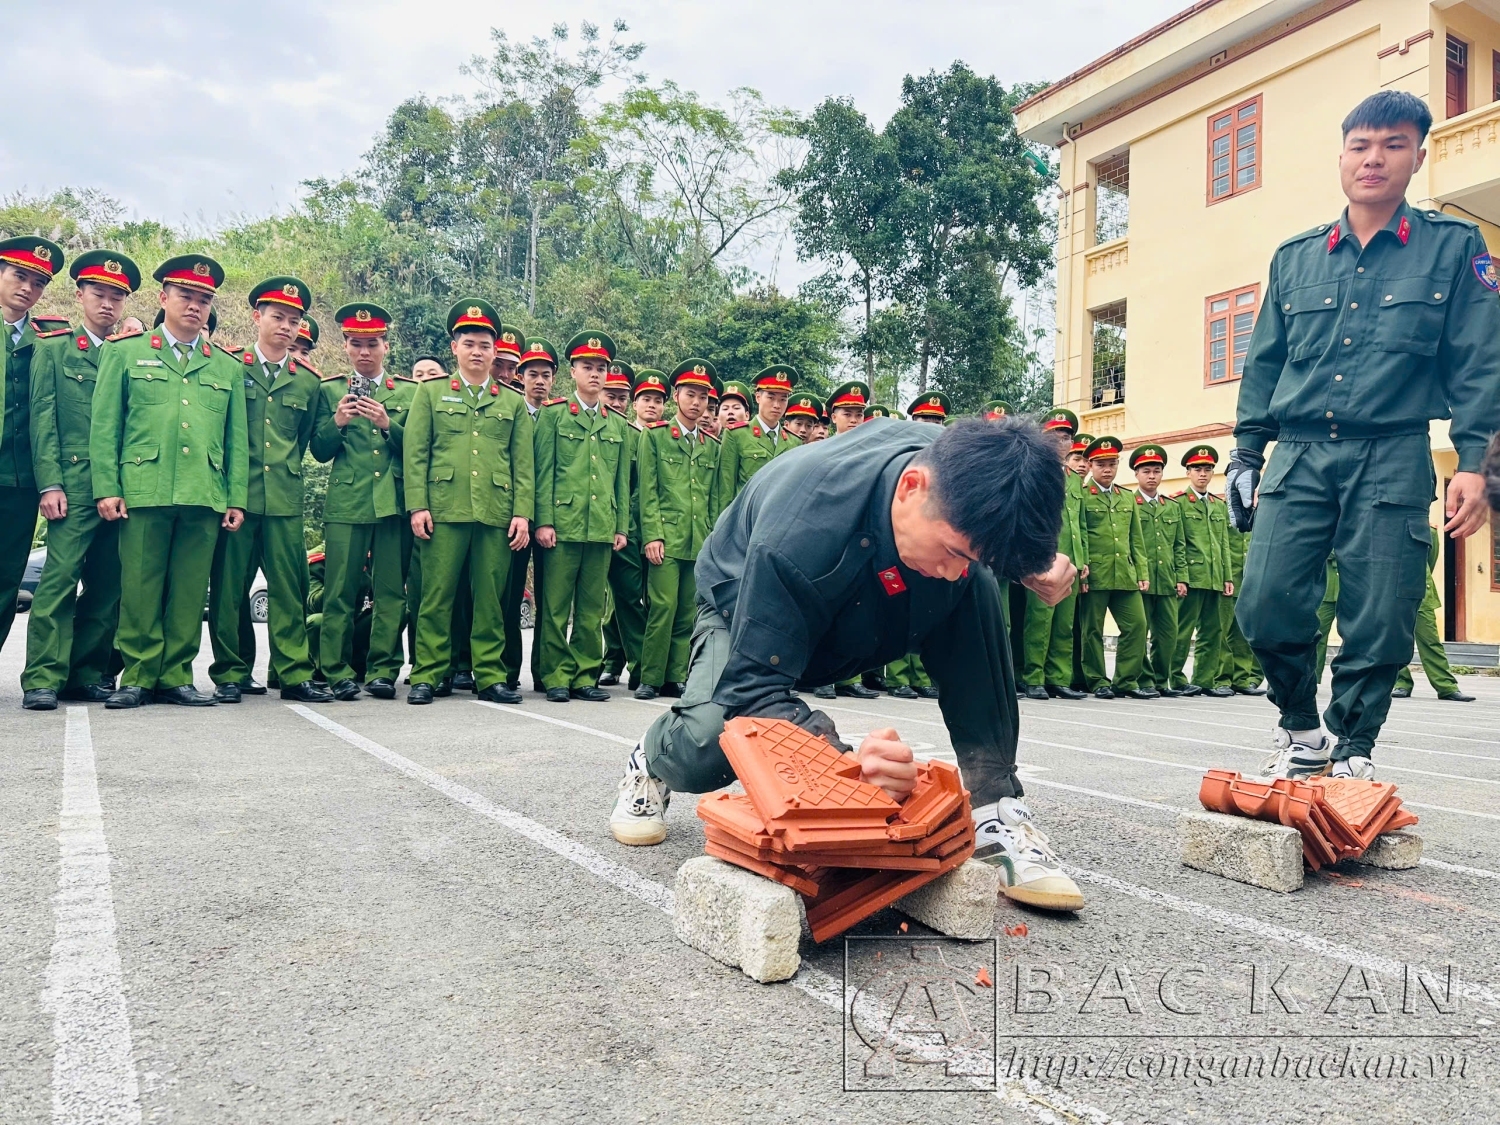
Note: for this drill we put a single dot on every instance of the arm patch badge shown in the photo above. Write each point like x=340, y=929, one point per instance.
x=1484, y=269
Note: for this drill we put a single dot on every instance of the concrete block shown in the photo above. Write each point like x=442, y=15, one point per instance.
x=960, y=904
x=739, y=918
x=1237, y=847
x=1394, y=851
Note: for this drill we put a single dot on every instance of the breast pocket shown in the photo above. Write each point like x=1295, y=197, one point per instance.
x=291, y=415
x=1311, y=317
x=451, y=419
x=497, y=427
x=148, y=386
x=1409, y=315
x=213, y=394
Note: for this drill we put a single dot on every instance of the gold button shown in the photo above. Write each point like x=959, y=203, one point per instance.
x=474, y=472
x=184, y=425
x=268, y=421
x=377, y=474
x=268, y=445
x=593, y=497
x=270, y=399
x=186, y=450
x=476, y=433
x=75, y=458
x=774, y=660
x=375, y=453
x=268, y=468
x=184, y=402
x=184, y=378
x=475, y=452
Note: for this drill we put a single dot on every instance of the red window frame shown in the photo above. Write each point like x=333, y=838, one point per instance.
x=1236, y=149
x=1222, y=326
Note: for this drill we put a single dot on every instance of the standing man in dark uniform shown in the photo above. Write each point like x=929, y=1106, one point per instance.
x=848, y=555
x=1371, y=327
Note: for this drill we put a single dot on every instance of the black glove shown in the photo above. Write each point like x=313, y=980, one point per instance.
x=1241, y=480
x=821, y=725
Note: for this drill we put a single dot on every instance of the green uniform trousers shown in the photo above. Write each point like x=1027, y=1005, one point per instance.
x=515, y=594
x=70, y=636
x=1198, y=614
x=1367, y=502
x=1429, y=647
x=907, y=672
x=1130, y=651
x=1238, y=668
x=462, y=660
x=577, y=578
x=273, y=545
x=1161, y=629
x=386, y=545
x=671, y=595
x=360, y=651
x=166, y=555
x=455, y=549
x=1049, y=642
x=625, y=627
x=17, y=529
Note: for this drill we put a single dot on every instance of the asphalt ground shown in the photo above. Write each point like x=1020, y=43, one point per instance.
x=371, y=912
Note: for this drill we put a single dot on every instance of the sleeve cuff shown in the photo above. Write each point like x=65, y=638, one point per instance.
x=1471, y=459
x=1255, y=442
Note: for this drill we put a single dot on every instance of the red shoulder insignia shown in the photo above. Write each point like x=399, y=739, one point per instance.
x=657, y=425
x=554, y=402
x=303, y=365
x=316, y=557
x=49, y=333
x=126, y=335
x=330, y=377
x=741, y=426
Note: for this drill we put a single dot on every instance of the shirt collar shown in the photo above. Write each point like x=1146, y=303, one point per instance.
x=180, y=344
x=18, y=326
x=273, y=364
x=1199, y=495
x=1399, y=228
x=97, y=341
x=774, y=431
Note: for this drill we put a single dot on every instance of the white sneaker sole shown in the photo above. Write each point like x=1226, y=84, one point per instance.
x=640, y=833
x=1054, y=892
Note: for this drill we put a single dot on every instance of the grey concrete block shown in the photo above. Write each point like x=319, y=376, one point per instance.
x=1394, y=851
x=960, y=904
x=739, y=918
x=1237, y=847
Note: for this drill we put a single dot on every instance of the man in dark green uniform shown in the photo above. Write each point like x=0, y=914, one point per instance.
x=583, y=514
x=362, y=418
x=678, y=464
x=71, y=636
x=26, y=267
x=1166, y=565
x=282, y=399
x=1118, y=571
x=535, y=373
x=1205, y=527
x=749, y=446
x=469, y=487
x=1372, y=326
x=1239, y=671
x=1429, y=646
x=170, y=456
x=1047, y=669
x=625, y=626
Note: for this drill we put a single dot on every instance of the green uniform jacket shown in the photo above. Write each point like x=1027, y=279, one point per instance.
x=1367, y=342
x=63, y=375
x=1206, y=524
x=744, y=450
x=1166, y=543
x=678, y=497
x=582, y=472
x=168, y=432
x=15, y=405
x=632, y=453
x=1117, y=550
x=364, y=484
x=468, y=463
x=1073, y=539
x=1239, y=544
x=280, y=419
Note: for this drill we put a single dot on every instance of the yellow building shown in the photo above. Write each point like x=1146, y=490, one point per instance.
x=1189, y=153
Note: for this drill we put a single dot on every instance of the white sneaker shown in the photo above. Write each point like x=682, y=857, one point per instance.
x=1357, y=766
x=639, y=817
x=1298, y=760
x=1030, y=871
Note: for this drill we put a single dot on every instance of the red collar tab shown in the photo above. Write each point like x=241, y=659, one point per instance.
x=1333, y=238
x=1403, y=230
x=495, y=390
x=1138, y=500
x=390, y=384
x=454, y=384
x=207, y=351
x=676, y=433
x=891, y=579
x=573, y=406
x=755, y=430
x=1192, y=497
x=249, y=359
x=83, y=343
x=156, y=342
x=1094, y=488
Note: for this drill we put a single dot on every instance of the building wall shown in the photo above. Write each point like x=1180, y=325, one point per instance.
x=1179, y=250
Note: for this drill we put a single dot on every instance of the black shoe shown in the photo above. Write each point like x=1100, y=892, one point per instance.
x=228, y=693
x=646, y=691
x=185, y=696
x=1170, y=692
x=381, y=687
x=463, y=681
x=1401, y=693
x=444, y=688
x=1036, y=691
x=1456, y=697
x=499, y=693
x=514, y=685
x=1220, y=692
x=88, y=693
x=589, y=694
x=308, y=692
x=419, y=693
x=873, y=682
x=251, y=687
x=345, y=691
x=904, y=691
x=855, y=691
x=608, y=679
x=1143, y=693
x=39, y=699
x=927, y=692
x=558, y=695
x=128, y=698
x=825, y=692
x=1065, y=692
x=1249, y=691
x=1105, y=692
x=1191, y=690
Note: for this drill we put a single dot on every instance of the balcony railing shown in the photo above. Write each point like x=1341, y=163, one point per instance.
x=1465, y=155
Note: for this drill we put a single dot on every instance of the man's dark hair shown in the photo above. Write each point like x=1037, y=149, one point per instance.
x=474, y=330
x=435, y=359
x=1000, y=485
x=1390, y=108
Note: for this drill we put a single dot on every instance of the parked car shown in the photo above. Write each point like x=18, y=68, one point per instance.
x=29, y=580
x=259, y=600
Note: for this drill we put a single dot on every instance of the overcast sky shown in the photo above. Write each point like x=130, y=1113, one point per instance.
x=195, y=115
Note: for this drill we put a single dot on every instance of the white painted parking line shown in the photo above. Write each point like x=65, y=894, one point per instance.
x=1046, y=1104
x=521, y=712
x=93, y=1071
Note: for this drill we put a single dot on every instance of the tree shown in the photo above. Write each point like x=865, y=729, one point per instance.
x=751, y=332
x=847, y=188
